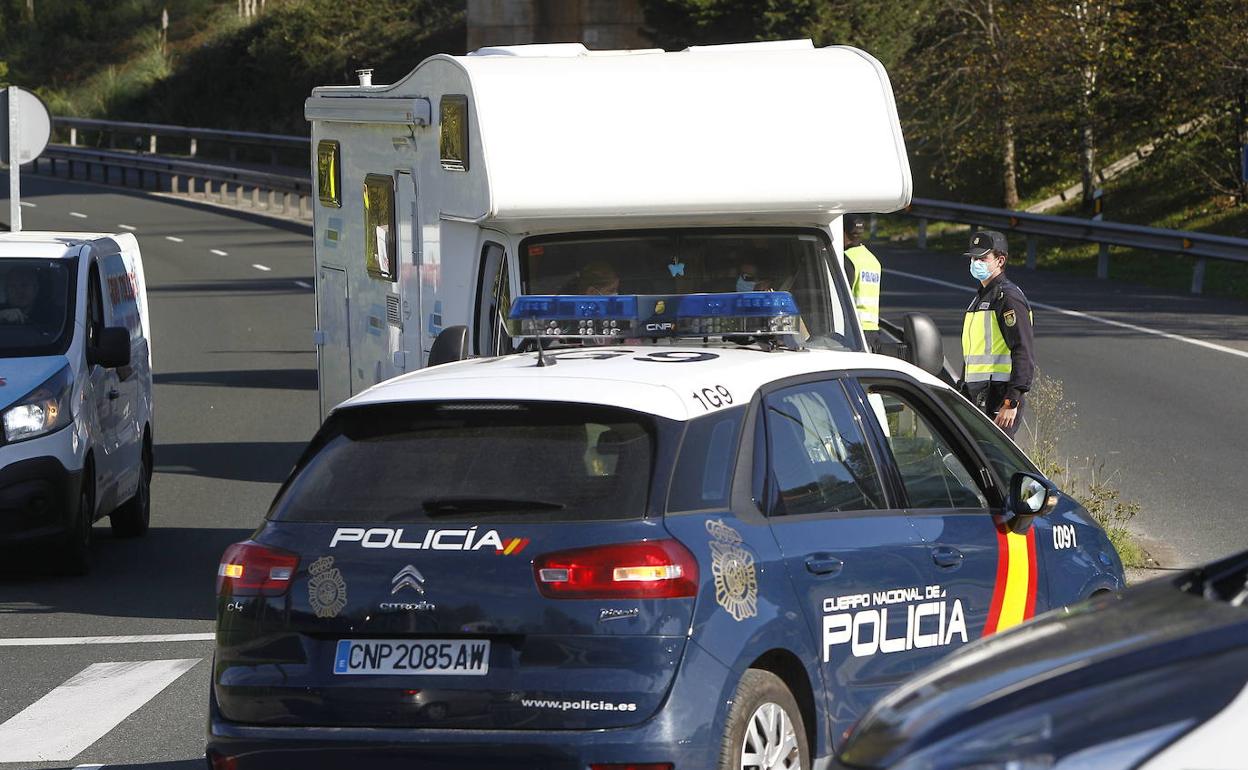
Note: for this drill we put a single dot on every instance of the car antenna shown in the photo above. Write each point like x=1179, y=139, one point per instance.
x=542, y=360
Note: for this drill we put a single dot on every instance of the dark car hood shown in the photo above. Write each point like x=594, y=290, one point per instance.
x=1165, y=622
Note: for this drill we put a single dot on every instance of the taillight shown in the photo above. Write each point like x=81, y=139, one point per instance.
x=653, y=569
x=251, y=569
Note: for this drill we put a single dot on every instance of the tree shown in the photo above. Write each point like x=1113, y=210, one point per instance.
x=675, y=24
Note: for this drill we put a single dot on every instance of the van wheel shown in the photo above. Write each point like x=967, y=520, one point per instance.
x=76, y=553
x=765, y=728
x=133, y=517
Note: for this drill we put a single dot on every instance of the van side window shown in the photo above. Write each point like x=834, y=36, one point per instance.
x=95, y=306
x=453, y=132
x=379, y=230
x=817, y=454
x=493, y=302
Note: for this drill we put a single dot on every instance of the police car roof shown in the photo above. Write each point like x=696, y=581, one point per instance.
x=45, y=245
x=642, y=378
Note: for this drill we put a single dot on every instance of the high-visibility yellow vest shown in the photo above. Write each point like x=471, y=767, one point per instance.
x=866, y=287
x=985, y=355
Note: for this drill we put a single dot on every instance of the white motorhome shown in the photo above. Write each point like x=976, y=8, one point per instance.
x=549, y=169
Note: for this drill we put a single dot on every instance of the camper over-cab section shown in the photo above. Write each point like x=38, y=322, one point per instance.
x=554, y=169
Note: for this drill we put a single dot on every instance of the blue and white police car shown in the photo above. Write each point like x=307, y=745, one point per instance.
x=681, y=541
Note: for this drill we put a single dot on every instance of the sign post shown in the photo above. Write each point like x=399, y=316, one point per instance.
x=25, y=127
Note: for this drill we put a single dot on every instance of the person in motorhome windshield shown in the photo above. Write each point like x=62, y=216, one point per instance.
x=21, y=289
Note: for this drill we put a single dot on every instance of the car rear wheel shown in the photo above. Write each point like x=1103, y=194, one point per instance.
x=765, y=727
x=132, y=518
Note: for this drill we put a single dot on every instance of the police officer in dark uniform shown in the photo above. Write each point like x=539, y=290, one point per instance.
x=997, y=339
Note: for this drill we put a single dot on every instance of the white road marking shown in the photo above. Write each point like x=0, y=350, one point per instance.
x=173, y=238
x=219, y=252
x=64, y=641
x=1090, y=317
x=85, y=708
x=77, y=214
x=88, y=767
x=303, y=284
x=131, y=228
x=28, y=204
x=262, y=267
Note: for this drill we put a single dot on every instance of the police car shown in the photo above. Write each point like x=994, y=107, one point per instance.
x=1155, y=678
x=673, y=539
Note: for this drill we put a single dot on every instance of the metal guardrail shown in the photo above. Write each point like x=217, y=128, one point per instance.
x=244, y=188
x=153, y=131
x=1202, y=246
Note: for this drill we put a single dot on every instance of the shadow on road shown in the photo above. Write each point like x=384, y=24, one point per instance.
x=169, y=573
x=223, y=287
x=283, y=379
x=264, y=461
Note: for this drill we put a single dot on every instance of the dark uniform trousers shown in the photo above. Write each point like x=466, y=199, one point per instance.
x=997, y=345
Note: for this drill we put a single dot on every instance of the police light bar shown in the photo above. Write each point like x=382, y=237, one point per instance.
x=750, y=313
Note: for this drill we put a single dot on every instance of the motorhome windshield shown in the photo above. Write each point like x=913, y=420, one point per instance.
x=693, y=261
x=36, y=306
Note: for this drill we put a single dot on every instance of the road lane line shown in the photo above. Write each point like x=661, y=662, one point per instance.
x=27, y=204
x=173, y=238
x=85, y=708
x=219, y=252
x=77, y=214
x=88, y=767
x=131, y=228
x=65, y=641
x=1090, y=317
x=303, y=284
x=262, y=267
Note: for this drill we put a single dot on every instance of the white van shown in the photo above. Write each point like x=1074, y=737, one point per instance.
x=75, y=390
x=552, y=169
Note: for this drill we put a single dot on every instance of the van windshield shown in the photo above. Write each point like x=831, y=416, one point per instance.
x=36, y=306
x=417, y=462
x=694, y=261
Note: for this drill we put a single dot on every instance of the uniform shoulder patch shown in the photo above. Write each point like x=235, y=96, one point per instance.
x=1009, y=317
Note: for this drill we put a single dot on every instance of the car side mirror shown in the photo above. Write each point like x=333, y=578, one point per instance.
x=924, y=346
x=1031, y=496
x=112, y=350
x=449, y=346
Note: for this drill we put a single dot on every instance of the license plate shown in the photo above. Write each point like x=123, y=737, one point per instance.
x=464, y=657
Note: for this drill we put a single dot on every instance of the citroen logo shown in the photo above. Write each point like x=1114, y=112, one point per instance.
x=408, y=577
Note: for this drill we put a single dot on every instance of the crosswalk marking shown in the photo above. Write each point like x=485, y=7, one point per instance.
x=85, y=708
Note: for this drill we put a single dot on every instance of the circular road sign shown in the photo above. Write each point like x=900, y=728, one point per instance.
x=34, y=125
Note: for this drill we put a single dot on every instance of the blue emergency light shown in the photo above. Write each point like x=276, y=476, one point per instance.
x=750, y=313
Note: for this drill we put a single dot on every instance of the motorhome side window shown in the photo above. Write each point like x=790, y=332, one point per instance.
x=453, y=133
x=328, y=173
x=379, y=236
x=493, y=303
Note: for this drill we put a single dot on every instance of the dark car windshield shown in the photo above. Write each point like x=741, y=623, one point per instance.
x=36, y=306
x=416, y=462
x=695, y=261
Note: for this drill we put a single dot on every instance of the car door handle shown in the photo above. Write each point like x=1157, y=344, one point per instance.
x=113, y=394
x=823, y=564
x=946, y=556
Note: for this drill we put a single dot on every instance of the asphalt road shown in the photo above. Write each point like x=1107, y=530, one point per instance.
x=1168, y=415
x=236, y=399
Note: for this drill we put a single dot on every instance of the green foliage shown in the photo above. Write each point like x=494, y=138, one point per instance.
x=674, y=24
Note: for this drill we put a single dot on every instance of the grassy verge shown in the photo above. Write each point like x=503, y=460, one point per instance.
x=1049, y=416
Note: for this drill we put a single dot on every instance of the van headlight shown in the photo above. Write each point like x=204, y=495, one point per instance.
x=42, y=410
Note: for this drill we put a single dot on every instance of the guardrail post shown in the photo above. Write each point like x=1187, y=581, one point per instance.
x=255, y=197
x=1031, y=252
x=1198, y=276
x=174, y=183
x=1102, y=261
x=922, y=232
x=305, y=208
x=238, y=195
x=195, y=147
x=151, y=144
x=73, y=137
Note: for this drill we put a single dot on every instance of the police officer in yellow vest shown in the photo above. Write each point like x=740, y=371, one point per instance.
x=863, y=271
x=997, y=339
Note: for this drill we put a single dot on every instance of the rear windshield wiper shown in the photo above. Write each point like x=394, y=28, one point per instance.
x=444, y=506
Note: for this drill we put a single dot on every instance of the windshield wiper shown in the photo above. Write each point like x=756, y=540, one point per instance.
x=445, y=506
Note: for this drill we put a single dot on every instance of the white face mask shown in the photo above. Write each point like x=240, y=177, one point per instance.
x=744, y=285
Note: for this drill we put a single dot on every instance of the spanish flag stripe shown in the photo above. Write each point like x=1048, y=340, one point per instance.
x=511, y=546
x=1032, y=577
x=998, y=592
x=1016, y=583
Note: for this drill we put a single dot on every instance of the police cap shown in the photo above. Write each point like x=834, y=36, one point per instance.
x=984, y=242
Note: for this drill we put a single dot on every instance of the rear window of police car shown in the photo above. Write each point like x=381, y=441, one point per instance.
x=471, y=460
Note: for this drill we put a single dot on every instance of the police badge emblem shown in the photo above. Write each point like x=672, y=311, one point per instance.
x=327, y=591
x=736, y=579
x=1010, y=318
